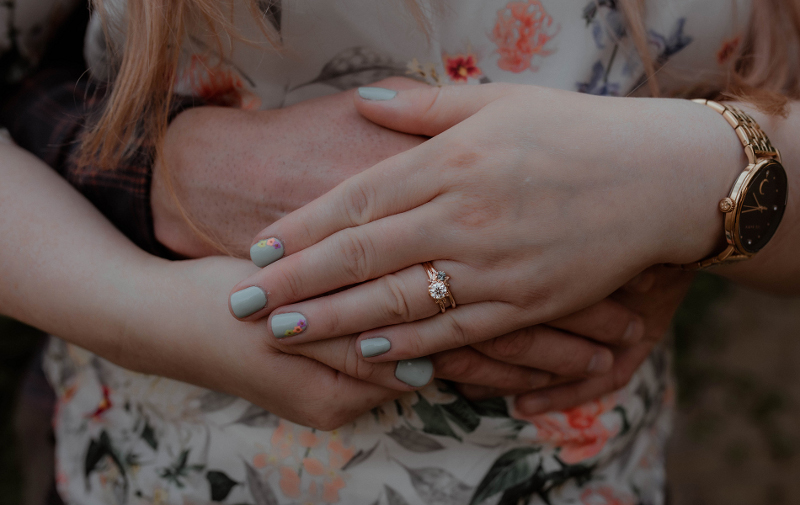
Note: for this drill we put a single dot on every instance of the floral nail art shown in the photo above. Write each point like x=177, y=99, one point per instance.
x=272, y=242
x=299, y=328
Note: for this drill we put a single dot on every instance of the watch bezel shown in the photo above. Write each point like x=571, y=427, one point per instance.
x=738, y=192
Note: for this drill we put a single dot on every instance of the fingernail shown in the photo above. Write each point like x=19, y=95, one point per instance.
x=414, y=372
x=248, y=301
x=266, y=251
x=374, y=346
x=286, y=325
x=368, y=93
x=634, y=332
x=600, y=363
x=535, y=405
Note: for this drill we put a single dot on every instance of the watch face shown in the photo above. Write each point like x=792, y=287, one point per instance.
x=763, y=204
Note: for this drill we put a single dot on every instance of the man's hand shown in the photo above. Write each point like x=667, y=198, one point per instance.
x=236, y=171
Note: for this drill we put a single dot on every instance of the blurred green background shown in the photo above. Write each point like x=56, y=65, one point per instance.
x=738, y=425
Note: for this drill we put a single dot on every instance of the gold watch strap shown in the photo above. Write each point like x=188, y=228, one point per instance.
x=755, y=142
x=757, y=146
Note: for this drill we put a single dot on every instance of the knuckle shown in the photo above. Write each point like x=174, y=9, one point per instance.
x=331, y=320
x=291, y=284
x=573, y=364
x=356, y=255
x=413, y=345
x=397, y=304
x=459, y=333
x=512, y=345
x=358, y=368
x=357, y=203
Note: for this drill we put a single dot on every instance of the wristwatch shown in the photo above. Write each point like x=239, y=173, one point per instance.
x=755, y=206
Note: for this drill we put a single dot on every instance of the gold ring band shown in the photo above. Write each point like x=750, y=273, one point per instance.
x=439, y=287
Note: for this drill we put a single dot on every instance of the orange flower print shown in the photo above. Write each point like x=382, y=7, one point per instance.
x=218, y=85
x=521, y=33
x=461, y=67
x=310, y=462
x=579, y=432
x=727, y=49
x=289, y=482
x=604, y=495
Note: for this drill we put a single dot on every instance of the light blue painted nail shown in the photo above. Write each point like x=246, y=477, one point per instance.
x=374, y=346
x=368, y=93
x=248, y=301
x=414, y=372
x=286, y=325
x=266, y=251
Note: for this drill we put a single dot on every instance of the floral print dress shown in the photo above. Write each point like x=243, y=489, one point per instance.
x=128, y=438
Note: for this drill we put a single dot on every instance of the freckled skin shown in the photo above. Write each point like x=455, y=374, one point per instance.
x=237, y=171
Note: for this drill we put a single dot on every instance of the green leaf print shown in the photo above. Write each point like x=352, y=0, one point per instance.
x=626, y=426
x=360, y=457
x=256, y=417
x=97, y=450
x=220, y=483
x=212, y=401
x=433, y=418
x=438, y=486
x=149, y=436
x=94, y=454
x=493, y=407
x=512, y=468
x=260, y=489
x=414, y=441
x=461, y=413
x=179, y=469
x=393, y=497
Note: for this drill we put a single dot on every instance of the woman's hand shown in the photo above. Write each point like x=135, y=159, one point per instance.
x=535, y=202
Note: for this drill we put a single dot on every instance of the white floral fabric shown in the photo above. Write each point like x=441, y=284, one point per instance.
x=127, y=438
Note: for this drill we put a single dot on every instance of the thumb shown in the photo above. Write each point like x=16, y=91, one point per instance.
x=426, y=111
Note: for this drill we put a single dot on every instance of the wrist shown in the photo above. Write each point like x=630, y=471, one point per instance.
x=707, y=161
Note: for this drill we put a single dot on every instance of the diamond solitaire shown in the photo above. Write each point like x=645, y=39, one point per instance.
x=438, y=290
x=439, y=287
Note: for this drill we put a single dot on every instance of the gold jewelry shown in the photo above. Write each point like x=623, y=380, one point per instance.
x=756, y=203
x=439, y=287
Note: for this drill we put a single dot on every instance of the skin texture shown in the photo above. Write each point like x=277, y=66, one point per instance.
x=528, y=224
x=302, y=151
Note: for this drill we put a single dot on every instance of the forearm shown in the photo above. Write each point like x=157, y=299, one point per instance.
x=65, y=269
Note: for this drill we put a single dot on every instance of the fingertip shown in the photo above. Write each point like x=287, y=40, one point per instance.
x=414, y=372
x=374, y=346
x=287, y=325
x=532, y=404
x=246, y=302
x=634, y=332
x=266, y=251
x=602, y=361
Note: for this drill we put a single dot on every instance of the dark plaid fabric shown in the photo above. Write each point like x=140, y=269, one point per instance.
x=47, y=115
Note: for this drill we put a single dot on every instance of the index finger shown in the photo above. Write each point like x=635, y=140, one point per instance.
x=392, y=186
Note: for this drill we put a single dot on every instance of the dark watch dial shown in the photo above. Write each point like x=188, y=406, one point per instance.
x=763, y=204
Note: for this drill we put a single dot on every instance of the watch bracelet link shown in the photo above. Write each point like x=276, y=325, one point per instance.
x=755, y=142
x=757, y=146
